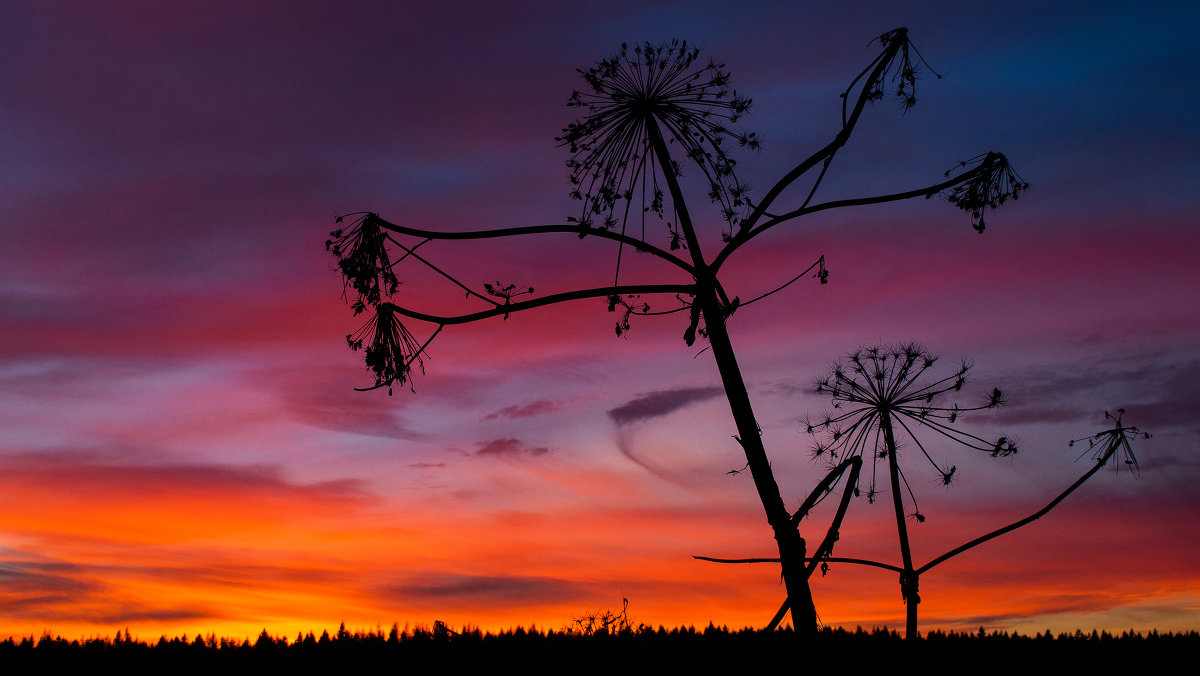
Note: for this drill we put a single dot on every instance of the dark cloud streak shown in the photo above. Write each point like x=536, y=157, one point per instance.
x=455, y=590
x=660, y=403
x=514, y=412
x=509, y=447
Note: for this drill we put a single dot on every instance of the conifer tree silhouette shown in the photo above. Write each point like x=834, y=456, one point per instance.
x=647, y=113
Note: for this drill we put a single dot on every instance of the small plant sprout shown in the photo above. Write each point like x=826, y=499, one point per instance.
x=882, y=395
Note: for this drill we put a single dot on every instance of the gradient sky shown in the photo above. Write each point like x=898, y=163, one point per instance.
x=181, y=449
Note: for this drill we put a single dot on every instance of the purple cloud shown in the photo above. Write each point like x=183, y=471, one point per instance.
x=660, y=403
x=509, y=447
x=106, y=472
x=535, y=408
x=477, y=588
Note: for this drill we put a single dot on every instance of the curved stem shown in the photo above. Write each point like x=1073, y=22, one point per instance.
x=820, y=264
x=826, y=485
x=832, y=535
x=791, y=545
x=504, y=310
x=881, y=64
x=927, y=191
x=831, y=559
x=1017, y=524
x=411, y=251
x=579, y=230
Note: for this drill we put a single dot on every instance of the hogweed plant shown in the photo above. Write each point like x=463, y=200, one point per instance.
x=885, y=395
x=648, y=115
x=877, y=391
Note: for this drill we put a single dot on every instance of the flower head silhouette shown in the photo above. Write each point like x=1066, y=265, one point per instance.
x=1114, y=441
x=363, y=260
x=879, y=391
x=390, y=348
x=613, y=159
x=365, y=263
x=995, y=184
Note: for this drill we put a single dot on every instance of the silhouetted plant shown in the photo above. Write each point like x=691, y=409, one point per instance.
x=602, y=622
x=876, y=390
x=637, y=105
x=880, y=393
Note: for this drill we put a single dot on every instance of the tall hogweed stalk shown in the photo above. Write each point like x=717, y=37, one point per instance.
x=647, y=116
x=884, y=395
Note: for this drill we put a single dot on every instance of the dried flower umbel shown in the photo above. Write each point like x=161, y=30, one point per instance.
x=992, y=186
x=878, y=392
x=390, y=349
x=363, y=260
x=878, y=389
x=902, y=72
x=1114, y=441
x=613, y=162
x=366, y=266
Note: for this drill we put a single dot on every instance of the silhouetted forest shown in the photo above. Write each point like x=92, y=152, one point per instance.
x=643, y=650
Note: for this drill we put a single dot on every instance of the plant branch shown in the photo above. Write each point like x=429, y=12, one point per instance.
x=454, y=280
x=580, y=230
x=831, y=559
x=1016, y=524
x=579, y=294
x=927, y=192
x=820, y=275
x=881, y=64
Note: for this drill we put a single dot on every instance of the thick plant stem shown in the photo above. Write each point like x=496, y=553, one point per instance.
x=787, y=536
x=791, y=545
x=908, y=578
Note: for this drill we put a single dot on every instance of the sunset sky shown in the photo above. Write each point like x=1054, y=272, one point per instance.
x=182, y=449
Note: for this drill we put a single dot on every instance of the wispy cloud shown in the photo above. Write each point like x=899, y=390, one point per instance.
x=660, y=403
x=524, y=411
x=340, y=410
x=509, y=447
x=1155, y=394
x=97, y=473
x=467, y=589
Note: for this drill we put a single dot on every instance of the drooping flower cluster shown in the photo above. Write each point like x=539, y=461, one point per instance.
x=363, y=260
x=613, y=160
x=900, y=71
x=877, y=387
x=991, y=187
x=366, y=266
x=390, y=349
